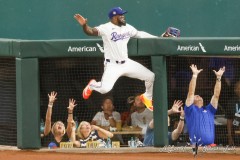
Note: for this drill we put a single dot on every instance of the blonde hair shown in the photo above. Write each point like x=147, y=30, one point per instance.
x=79, y=134
x=54, y=124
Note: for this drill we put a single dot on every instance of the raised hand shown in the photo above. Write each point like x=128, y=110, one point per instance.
x=220, y=72
x=176, y=105
x=195, y=70
x=52, y=97
x=81, y=20
x=71, y=104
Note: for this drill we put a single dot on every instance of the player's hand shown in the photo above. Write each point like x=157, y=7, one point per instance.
x=81, y=20
x=52, y=97
x=195, y=70
x=176, y=105
x=71, y=104
x=220, y=72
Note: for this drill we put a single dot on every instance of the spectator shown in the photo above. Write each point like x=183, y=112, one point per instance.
x=107, y=117
x=142, y=116
x=199, y=118
x=58, y=128
x=126, y=116
x=172, y=136
x=231, y=109
x=87, y=132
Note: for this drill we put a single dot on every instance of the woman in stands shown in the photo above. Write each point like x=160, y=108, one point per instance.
x=58, y=128
x=87, y=132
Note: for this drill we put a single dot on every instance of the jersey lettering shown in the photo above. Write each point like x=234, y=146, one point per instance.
x=116, y=36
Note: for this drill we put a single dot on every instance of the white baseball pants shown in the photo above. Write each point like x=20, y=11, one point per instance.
x=132, y=69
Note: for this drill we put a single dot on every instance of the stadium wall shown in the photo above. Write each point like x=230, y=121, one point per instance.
x=54, y=19
x=28, y=52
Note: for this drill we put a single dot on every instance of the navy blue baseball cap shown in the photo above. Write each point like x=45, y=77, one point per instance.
x=116, y=11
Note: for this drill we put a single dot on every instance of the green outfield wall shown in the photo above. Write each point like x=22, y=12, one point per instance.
x=90, y=48
x=27, y=53
x=54, y=19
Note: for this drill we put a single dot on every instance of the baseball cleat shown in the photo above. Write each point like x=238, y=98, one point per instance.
x=87, y=91
x=147, y=102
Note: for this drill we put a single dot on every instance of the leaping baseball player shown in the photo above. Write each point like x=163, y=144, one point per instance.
x=115, y=35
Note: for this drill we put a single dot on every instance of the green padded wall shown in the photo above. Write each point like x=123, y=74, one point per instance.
x=160, y=101
x=54, y=19
x=28, y=103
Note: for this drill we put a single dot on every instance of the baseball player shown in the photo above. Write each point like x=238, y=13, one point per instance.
x=115, y=35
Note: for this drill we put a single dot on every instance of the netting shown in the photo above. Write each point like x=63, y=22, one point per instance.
x=179, y=76
x=69, y=76
x=8, y=118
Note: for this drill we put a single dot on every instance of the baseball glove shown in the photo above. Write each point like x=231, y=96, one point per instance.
x=171, y=32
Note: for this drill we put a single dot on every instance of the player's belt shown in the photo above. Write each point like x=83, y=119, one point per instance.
x=118, y=62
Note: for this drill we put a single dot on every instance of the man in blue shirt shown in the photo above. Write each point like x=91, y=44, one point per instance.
x=199, y=118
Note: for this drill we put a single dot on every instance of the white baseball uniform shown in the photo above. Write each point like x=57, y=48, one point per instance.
x=117, y=63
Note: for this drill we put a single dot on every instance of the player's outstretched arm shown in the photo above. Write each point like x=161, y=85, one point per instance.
x=87, y=29
x=192, y=85
x=142, y=34
x=51, y=100
x=217, y=88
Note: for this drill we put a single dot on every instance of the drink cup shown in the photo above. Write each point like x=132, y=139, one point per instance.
x=119, y=125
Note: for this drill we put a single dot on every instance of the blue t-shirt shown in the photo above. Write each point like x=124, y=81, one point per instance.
x=200, y=124
x=149, y=137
